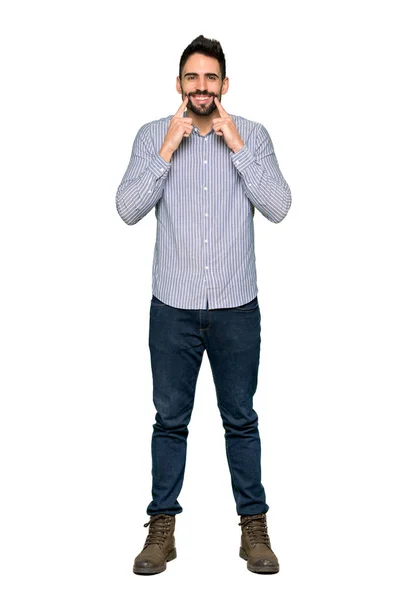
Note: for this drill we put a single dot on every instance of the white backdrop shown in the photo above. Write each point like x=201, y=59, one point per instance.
x=79, y=79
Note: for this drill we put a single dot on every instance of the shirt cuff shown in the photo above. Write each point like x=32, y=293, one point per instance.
x=159, y=167
x=242, y=159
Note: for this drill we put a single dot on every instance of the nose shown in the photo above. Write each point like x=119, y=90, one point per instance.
x=202, y=83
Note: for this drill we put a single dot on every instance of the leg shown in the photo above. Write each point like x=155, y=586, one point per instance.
x=233, y=347
x=176, y=355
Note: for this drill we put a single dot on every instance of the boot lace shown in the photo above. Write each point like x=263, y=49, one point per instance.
x=158, y=530
x=256, y=528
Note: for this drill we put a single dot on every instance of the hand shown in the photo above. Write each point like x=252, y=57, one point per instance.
x=179, y=128
x=225, y=126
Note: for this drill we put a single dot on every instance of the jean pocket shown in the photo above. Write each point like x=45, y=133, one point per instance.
x=156, y=302
x=250, y=306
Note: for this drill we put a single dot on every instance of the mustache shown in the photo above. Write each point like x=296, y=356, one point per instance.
x=199, y=93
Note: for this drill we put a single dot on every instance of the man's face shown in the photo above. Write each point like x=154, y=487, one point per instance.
x=201, y=82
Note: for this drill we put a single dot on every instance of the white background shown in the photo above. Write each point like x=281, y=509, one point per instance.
x=79, y=80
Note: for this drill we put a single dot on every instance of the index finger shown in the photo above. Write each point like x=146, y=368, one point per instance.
x=181, y=109
x=221, y=109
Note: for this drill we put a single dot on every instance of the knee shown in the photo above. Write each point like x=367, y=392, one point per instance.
x=177, y=424
x=239, y=419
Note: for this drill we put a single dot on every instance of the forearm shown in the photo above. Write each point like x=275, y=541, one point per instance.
x=139, y=193
x=264, y=184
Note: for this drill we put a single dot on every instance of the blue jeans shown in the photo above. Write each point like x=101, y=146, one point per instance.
x=177, y=340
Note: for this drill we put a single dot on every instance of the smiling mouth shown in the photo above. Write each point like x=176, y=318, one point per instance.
x=201, y=99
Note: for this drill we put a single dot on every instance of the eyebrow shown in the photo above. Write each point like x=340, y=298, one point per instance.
x=214, y=74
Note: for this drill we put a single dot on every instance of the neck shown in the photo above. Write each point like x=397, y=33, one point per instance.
x=203, y=124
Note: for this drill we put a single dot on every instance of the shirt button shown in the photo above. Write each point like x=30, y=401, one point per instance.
x=206, y=188
x=205, y=139
x=205, y=162
x=206, y=215
x=206, y=241
x=207, y=267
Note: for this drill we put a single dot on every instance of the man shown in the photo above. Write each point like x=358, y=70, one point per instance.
x=204, y=171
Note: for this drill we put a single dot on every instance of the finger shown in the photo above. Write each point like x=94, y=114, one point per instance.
x=221, y=109
x=182, y=120
x=181, y=109
x=220, y=121
x=188, y=130
x=218, y=131
x=220, y=125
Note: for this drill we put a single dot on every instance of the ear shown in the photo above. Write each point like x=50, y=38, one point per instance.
x=178, y=85
x=225, y=85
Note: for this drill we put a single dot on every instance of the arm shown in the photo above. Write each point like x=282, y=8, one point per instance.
x=143, y=183
x=263, y=181
x=144, y=180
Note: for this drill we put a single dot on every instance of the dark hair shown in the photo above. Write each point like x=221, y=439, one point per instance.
x=202, y=45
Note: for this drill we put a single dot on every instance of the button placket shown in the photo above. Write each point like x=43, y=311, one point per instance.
x=206, y=208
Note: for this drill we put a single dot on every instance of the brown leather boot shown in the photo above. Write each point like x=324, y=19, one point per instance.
x=256, y=546
x=159, y=547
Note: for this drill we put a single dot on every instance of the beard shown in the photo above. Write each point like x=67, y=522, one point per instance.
x=201, y=110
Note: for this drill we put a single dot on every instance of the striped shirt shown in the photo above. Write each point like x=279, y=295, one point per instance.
x=204, y=203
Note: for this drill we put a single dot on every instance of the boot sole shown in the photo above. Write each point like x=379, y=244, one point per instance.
x=155, y=570
x=267, y=569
